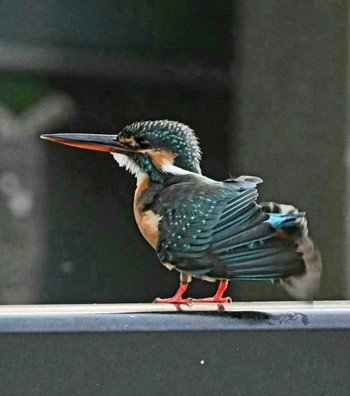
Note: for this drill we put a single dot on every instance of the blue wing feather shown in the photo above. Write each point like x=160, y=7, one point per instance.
x=217, y=229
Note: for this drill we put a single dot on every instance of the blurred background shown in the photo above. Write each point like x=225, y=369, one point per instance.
x=264, y=85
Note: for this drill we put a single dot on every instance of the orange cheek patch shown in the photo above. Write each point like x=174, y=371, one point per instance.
x=161, y=158
x=130, y=141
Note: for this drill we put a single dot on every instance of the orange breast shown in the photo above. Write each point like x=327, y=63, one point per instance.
x=147, y=221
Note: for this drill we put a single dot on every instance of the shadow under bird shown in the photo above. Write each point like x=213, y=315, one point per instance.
x=203, y=228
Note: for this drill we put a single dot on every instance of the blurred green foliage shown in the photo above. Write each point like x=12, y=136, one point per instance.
x=20, y=90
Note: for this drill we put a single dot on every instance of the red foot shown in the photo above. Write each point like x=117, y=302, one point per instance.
x=217, y=298
x=177, y=298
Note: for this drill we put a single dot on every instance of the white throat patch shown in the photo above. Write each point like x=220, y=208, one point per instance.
x=129, y=165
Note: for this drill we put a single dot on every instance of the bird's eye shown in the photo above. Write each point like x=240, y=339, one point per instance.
x=142, y=142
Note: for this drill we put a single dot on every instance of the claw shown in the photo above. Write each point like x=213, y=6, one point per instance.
x=219, y=300
x=174, y=300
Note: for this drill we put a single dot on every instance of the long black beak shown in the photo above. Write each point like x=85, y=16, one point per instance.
x=89, y=141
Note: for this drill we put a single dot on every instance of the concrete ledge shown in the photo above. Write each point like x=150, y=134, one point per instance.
x=169, y=317
x=269, y=348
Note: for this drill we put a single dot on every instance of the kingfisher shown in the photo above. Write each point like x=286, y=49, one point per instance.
x=203, y=228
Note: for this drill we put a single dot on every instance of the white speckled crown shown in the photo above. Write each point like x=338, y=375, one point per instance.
x=171, y=136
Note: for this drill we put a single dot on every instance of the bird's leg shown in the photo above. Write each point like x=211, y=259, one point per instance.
x=217, y=298
x=185, y=279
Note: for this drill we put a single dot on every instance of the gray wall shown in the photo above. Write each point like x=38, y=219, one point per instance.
x=290, y=118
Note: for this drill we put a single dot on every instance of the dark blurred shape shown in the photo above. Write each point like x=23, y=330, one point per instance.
x=185, y=28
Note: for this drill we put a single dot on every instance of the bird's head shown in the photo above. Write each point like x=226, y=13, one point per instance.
x=157, y=148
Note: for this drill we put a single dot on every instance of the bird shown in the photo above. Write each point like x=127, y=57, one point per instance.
x=203, y=228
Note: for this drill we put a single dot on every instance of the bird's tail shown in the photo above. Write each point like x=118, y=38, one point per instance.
x=306, y=285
